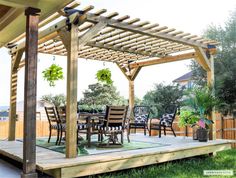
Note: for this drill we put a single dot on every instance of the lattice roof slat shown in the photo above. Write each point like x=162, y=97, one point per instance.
x=121, y=38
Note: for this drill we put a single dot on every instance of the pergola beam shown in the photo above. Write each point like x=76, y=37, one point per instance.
x=163, y=60
x=19, y=4
x=202, y=59
x=151, y=33
x=9, y=16
x=131, y=78
x=111, y=47
x=50, y=32
x=83, y=40
x=17, y=59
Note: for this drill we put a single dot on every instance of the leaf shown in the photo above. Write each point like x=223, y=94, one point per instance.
x=104, y=76
x=52, y=74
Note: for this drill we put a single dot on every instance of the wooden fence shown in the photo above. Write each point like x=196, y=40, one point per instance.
x=225, y=129
x=41, y=129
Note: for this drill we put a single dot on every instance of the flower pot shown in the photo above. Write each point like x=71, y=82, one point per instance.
x=202, y=135
x=194, y=129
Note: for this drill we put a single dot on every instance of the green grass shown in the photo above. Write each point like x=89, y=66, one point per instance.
x=185, y=168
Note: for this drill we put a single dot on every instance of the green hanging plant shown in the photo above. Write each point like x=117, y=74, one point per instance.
x=52, y=74
x=104, y=76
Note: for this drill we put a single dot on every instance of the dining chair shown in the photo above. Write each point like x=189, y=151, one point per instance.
x=53, y=122
x=61, y=113
x=114, y=125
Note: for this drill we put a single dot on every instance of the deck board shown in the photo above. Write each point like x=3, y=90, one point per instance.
x=56, y=164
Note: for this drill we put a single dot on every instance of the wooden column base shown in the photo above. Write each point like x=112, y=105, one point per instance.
x=29, y=175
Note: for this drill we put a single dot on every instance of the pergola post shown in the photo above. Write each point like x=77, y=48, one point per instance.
x=71, y=104
x=16, y=58
x=13, y=100
x=31, y=52
x=208, y=65
x=70, y=40
x=130, y=74
x=211, y=83
x=131, y=94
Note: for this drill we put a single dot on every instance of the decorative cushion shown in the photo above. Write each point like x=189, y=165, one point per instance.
x=167, y=119
x=141, y=118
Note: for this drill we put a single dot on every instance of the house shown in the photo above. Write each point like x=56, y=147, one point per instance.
x=186, y=80
x=4, y=116
x=40, y=111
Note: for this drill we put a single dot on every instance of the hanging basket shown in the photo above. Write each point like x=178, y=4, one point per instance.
x=104, y=76
x=53, y=74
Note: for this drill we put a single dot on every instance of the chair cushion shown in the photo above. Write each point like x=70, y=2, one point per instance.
x=104, y=128
x=54, y=126
x=141, y=118
x=167, y=119
x=82, y=126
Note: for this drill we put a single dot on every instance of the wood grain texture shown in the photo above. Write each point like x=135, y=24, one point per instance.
x=71, y=104
x=30, y=99
x=56, y=164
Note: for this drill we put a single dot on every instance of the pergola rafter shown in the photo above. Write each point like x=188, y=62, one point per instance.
x=120, y=34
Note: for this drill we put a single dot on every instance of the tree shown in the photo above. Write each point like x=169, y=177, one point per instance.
x=100, y=95
x=57, y=100
x=161, y=97
x=225, y=63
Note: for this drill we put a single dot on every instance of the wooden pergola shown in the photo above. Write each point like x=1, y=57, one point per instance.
x=96, y=35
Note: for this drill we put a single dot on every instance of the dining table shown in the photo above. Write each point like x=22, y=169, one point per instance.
x=91, y=119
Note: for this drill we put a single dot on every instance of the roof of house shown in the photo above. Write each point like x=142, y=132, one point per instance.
x=4, y=114
x=184, y=77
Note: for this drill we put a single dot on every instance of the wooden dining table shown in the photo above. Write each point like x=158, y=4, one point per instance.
x=91, y=119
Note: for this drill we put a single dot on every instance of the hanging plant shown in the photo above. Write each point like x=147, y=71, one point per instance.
x=104, y=76
x=52, y=74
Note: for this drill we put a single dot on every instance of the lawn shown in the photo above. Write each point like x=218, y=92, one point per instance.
x=186, y=168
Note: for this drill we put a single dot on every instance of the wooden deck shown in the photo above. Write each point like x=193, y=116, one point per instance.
x=56, y=164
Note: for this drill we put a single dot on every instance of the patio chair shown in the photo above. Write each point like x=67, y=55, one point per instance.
x=114, y=125
x=53, y=122
x=141, y=115
x=61, y=113
x=166, y=121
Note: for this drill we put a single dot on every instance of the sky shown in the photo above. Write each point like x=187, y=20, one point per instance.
x=192, y=16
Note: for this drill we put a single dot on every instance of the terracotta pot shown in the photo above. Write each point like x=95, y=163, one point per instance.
x=202, y=135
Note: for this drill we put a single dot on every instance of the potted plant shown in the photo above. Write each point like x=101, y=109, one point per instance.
x=187, y=117
x=203, y=129
x=202, y=101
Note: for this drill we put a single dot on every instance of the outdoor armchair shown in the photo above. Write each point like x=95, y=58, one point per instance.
x=166, y=121
x=140, y=121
